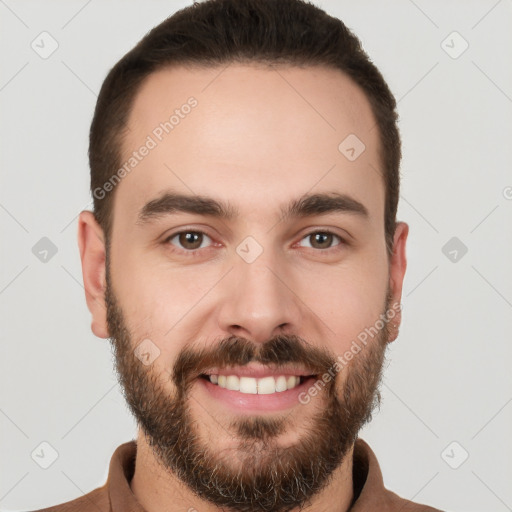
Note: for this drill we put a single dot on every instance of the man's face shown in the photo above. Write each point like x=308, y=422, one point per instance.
x=270, y=299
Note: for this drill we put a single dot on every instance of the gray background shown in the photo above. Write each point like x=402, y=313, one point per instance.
x=449, y=377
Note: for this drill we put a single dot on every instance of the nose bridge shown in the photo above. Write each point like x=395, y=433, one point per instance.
x=257, y=302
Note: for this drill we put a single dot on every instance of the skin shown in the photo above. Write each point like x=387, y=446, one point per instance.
x=259, y=138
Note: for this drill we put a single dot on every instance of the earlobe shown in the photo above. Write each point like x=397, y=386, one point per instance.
x=397, y=268
x=91, y=244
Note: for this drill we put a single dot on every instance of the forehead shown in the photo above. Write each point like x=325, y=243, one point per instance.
x=250, y=135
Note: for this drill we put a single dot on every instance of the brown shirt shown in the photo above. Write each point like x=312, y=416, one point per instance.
x=116, y=495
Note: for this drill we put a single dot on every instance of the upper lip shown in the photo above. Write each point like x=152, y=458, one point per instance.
x=259, y=371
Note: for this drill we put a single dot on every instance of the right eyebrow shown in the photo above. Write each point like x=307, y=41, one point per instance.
x=171, y=202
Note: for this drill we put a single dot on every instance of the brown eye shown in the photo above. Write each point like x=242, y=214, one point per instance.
x=189, y=240
x=322, y=240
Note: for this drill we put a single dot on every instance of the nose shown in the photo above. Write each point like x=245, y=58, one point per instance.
x=259, y=301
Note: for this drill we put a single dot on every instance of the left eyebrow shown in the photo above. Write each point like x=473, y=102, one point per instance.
x=323, y=203
x=306, y=206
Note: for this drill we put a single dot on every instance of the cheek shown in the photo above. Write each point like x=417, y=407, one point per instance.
x=164, y=305
x=348, y=301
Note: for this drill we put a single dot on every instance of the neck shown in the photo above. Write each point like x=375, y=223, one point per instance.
x=157, y=489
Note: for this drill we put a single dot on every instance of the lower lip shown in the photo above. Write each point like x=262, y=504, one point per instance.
x=249, y=403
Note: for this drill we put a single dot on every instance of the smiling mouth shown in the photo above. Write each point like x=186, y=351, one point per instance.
x=262, y=386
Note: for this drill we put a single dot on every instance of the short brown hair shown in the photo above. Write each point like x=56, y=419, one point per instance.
x=216, y=32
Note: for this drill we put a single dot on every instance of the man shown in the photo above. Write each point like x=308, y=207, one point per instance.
x=245, y=260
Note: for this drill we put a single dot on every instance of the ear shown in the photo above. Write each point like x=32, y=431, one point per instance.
x=91, y=243
x=397, y=267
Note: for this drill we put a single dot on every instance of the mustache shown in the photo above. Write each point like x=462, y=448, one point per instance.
x=237, y=351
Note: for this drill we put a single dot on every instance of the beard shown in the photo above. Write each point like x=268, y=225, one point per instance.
x=259, y=474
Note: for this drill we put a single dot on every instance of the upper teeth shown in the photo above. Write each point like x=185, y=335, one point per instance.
x=263, y=386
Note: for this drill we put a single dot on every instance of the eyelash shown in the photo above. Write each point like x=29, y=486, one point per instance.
x=195, y=252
